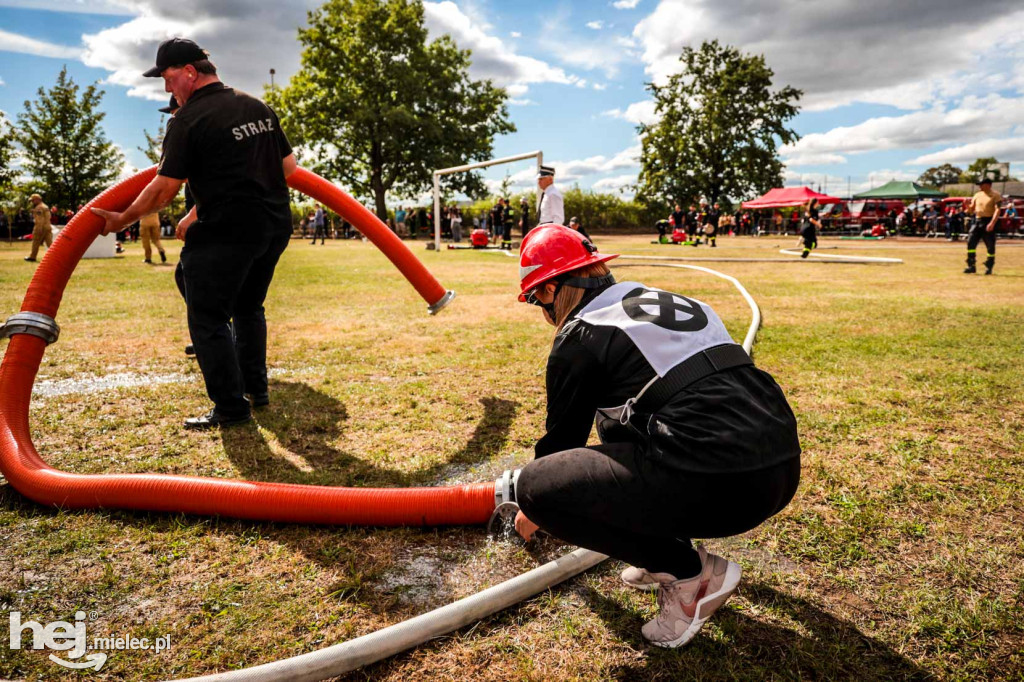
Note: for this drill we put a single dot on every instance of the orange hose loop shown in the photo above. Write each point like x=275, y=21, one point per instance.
x=22, y=466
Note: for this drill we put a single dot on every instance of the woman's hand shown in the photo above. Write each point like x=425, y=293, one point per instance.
x=524, y=526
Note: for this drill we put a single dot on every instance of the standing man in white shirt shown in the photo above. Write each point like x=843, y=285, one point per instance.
x=552, y=206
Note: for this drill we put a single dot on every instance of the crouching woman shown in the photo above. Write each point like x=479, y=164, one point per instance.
x=696, y=442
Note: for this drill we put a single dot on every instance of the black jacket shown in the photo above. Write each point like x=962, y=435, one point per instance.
x=730, y=421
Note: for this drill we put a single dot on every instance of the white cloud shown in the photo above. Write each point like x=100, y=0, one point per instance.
x=491, y=57
x=618, y=184
x=975, y=118
x=516, y=34
x=596, y=86
x=521, y=102
x=13, y=42
x=1000, y=148
x=625, y=4
x=637, y=112
x=577, y=169
x=839, y=52
x=814, y=160
x=270, y=32
x=596, y=25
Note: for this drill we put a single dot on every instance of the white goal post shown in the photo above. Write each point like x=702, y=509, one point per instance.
x=468, y=167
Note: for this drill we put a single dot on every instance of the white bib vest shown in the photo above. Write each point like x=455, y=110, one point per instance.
x=666, y=328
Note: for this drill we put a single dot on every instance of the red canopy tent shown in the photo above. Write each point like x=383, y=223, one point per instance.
x=782, y=197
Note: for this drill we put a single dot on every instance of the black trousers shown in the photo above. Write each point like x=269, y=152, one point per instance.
x=979, y=232
x=613, y=499
x=225, y=286
x=319, y=231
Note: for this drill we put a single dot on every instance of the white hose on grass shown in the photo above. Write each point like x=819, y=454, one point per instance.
x=827, y=257
x=348, y=656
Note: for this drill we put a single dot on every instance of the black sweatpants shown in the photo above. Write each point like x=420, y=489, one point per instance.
x=225, y=286
x=612, y=499
x=979, y=232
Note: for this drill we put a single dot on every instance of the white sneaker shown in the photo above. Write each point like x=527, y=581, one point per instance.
x=687, y=604
x=640, y=578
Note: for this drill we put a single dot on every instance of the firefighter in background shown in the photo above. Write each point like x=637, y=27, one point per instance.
x=508, y=219
x=809, y=233
x=42, y=231
x=524, y=217
x=985, y=206
x=662, y=227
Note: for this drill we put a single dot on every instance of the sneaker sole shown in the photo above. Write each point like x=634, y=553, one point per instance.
x=706, y=607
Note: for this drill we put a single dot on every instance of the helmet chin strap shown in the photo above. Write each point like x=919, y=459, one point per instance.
x=579, y=283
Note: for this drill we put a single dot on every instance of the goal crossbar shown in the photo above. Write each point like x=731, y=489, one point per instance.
x=539, y=155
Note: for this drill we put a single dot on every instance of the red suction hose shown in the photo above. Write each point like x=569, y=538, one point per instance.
x=22, y=466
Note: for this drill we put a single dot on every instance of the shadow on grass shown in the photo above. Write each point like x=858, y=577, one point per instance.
x=820, y=646
x=303, y=424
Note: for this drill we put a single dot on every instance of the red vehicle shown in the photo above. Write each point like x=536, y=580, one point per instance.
x=861, y=213
x=1008, y=224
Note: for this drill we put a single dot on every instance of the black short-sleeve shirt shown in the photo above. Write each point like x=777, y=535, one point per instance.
x=229, y=146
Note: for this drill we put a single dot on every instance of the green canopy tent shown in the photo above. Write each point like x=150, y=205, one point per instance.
x=896, y=189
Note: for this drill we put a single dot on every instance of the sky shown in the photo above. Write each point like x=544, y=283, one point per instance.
x=890, y=88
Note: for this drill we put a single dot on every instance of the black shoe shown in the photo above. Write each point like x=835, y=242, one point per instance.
x=988, y=271
x=190, y=350
x=163, y=257
x=30, y=259
x=970, y=270
x=214, y=419
x=148, y=260
x=261, y=400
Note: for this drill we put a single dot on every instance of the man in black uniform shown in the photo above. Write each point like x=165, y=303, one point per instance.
x=230, y=148
x=524, y=219
x=691, y=221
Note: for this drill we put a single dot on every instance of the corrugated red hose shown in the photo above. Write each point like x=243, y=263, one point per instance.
x=33, y=478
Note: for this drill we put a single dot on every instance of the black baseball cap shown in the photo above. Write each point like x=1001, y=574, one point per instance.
x=985, y=181
x=171, y=107
x=175, y=52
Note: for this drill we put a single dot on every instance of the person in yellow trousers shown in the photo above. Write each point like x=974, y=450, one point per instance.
x=41, y=231
x=149, y=230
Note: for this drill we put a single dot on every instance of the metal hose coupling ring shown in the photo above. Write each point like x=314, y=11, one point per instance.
x=435, y=308
x=505, y=487
x=34, y=324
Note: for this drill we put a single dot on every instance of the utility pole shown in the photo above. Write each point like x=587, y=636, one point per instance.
x=272, y=72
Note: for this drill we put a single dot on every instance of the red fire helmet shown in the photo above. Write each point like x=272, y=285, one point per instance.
x=552, y=250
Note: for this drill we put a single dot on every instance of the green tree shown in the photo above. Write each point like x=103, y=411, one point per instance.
x=377, y=107
x=937, y=176
x=64, y=146
x=720, y=124
x=154, y=143
x=7, y=172
x=980, y=167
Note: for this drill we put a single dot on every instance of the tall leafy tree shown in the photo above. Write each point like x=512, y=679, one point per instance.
x=7, y=172
x=938, y=176
x=719, y=128
x=378, y=107
x=64, y=146
x=979, y=168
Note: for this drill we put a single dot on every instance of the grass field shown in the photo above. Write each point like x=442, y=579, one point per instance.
x=901, y=557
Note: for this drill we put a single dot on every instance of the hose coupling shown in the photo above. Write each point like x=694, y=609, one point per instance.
x=34, y=324
x=435, y=308
x=505, y=487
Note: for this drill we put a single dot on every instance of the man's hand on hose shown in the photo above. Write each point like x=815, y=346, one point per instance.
x=112, y=221
x=524, y=526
